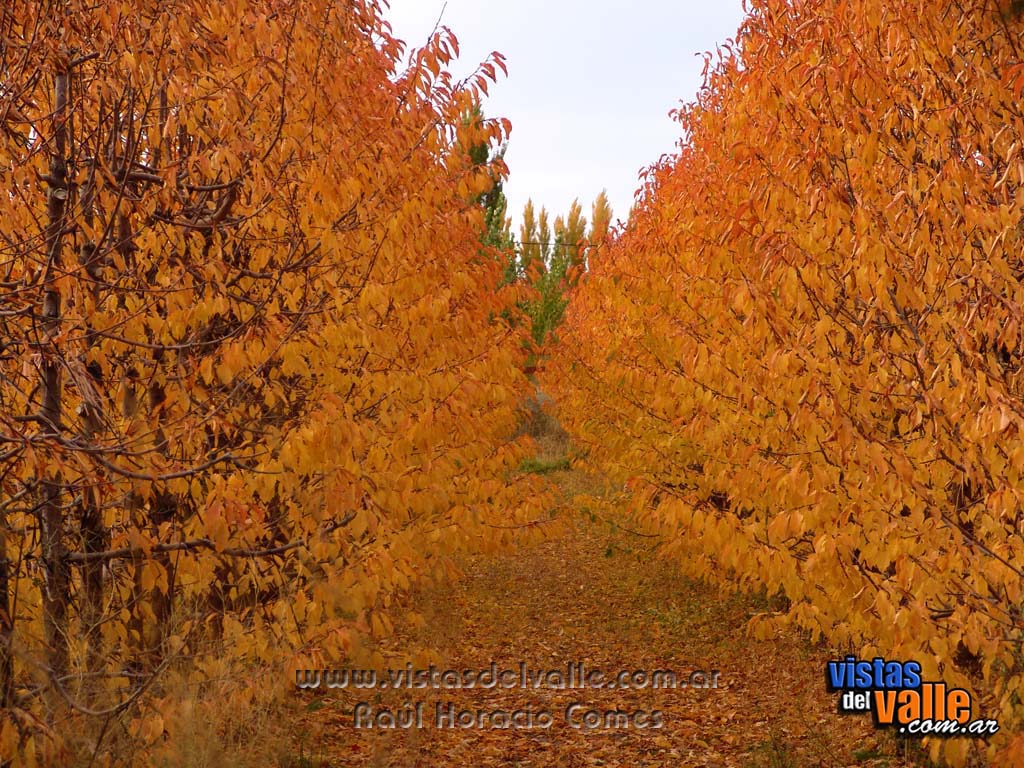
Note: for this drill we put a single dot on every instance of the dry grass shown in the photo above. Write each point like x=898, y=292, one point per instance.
x=228, y=720
x=551, y=442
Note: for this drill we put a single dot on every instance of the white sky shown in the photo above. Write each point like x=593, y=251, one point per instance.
x=590, y=84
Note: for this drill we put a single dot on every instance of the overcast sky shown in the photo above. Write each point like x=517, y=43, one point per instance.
x=590, y=84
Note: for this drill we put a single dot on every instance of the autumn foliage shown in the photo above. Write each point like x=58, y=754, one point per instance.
x=255, y=378
x=804, y=353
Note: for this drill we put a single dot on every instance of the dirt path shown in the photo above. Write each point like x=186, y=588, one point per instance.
x=597, y=596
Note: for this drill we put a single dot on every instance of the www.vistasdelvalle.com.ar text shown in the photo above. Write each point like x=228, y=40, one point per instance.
x=575, y=675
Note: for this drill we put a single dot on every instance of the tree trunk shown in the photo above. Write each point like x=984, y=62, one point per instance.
x=55, y=566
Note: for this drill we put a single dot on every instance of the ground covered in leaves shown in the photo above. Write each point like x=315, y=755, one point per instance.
x=599, y=595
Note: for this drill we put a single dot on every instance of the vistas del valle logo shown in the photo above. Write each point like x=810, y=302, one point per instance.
x=896, y=696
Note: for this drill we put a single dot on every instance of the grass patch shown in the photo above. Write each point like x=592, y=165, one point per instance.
x=911, y=749
x=540, y=466
x=870, y=753
x=304, y=760
x=772, y=753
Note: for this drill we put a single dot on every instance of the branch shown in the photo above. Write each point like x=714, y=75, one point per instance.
x=80, y=558
x=82, y=59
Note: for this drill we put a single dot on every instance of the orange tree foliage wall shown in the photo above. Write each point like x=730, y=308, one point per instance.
x=254, y=376
x=805, y=352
